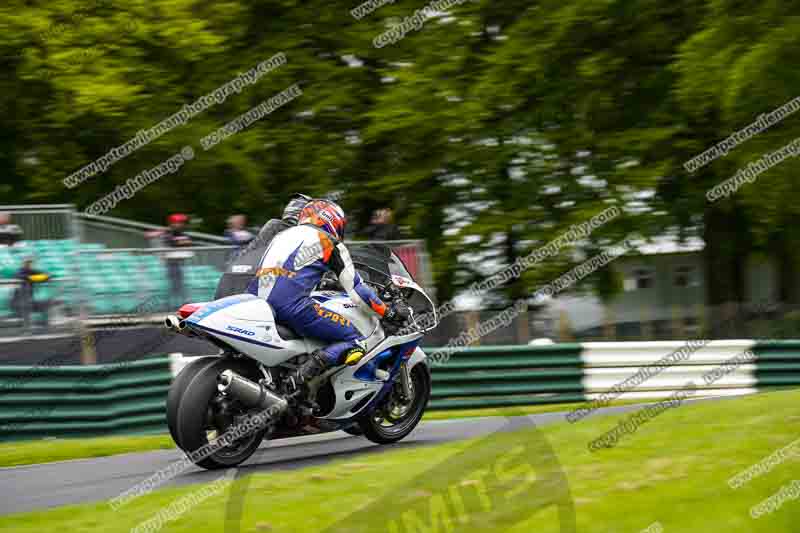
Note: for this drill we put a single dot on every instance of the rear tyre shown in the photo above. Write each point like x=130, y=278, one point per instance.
x=177, y=389
x=395, y=418
x=204, y=415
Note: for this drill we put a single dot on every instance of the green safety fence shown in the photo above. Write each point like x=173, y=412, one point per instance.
x=777, y=363
x=91, y=400
x=498, y=376
x=130, y=397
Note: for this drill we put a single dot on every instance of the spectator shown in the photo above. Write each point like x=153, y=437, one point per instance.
x=175, y=237
x=381, y=226
x=9, y=233
x=23, y=303
x=236, y=234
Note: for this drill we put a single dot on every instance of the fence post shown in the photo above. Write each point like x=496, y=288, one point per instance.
x=564, y=327
x=473, y=318
x=646, y=328
x=609, y=327
x=702, y=331
x=523, y=328
x=88, y=351
x=677, y=323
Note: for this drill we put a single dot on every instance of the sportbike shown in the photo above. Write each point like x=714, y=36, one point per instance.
x=383, y=396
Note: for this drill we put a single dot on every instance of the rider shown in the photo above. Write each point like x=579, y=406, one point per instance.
x=240, y=268
x=294, y=264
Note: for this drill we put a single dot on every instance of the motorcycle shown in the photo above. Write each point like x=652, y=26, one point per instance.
x=382, y=397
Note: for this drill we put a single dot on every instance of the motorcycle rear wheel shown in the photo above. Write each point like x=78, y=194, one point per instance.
x=198, y=417
x=176, y=391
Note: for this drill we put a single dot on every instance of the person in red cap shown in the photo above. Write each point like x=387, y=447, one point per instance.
x=176, y=237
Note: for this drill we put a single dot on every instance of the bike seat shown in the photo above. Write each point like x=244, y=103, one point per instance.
x=286, y=333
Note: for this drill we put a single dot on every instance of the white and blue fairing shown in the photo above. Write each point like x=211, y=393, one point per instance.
x=247, y=324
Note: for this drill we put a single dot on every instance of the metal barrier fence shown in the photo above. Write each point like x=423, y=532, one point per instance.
x=74, y=401
x=145, y=281
x=122, y=233
x=494, y=376
x=44, y=221
x=44, y=401
x=49, y=310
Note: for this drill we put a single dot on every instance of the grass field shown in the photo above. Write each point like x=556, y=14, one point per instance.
x=46, y=451
x=672, y=471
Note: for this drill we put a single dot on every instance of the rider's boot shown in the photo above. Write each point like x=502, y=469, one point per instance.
x=317, y=363
x=312, y=367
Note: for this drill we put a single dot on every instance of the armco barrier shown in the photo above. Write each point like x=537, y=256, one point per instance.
x=130, y=397
x=494, y=376
x=92, y=400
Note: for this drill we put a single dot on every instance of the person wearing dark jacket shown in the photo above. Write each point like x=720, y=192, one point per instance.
x=381, y=227
x=175, y=237
x=9, y=233
x=23, y=303
x=237, y=234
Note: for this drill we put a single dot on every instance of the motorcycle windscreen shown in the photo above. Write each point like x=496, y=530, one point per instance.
x=376, y=263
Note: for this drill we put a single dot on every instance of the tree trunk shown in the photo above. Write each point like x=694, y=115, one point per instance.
x=726, y=249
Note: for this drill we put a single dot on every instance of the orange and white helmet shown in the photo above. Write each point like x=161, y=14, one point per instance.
x=326, y=215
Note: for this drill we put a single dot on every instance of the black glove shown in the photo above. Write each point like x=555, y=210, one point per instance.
x=395, y=318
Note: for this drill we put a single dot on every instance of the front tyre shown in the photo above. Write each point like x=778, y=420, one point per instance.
x=398, y=416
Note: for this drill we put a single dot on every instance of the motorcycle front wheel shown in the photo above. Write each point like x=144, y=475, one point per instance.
x=397, y=416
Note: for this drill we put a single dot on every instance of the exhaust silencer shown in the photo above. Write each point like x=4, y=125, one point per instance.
x=251, y=393
x=176, y=324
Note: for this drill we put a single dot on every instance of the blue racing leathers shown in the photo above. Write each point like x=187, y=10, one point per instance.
x=291, y=267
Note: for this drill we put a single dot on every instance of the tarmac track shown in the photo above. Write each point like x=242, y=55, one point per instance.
x=33, y=487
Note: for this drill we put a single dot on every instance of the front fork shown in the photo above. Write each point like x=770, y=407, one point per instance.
x=405, y=381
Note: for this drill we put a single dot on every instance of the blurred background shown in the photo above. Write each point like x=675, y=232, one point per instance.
x=469, y=143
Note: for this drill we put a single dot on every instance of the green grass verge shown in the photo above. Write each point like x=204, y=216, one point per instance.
x=46, y=451
x=519, y=410
x=50, y=450
x=673, y=470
